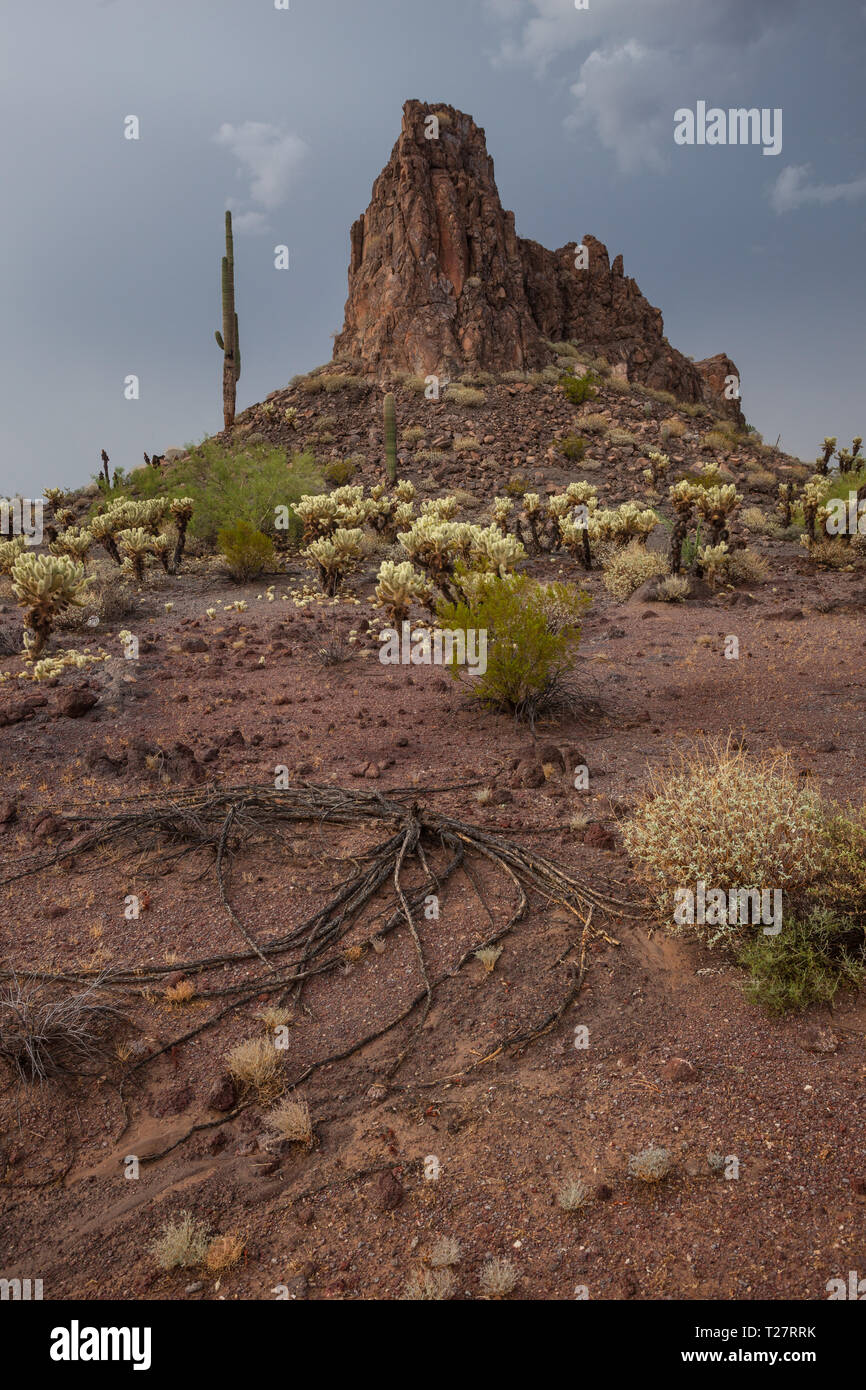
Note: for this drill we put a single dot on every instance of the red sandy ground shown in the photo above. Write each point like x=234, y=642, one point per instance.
x=355, y=1215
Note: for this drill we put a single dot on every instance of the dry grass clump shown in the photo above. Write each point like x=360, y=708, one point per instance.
x=620, y=438
x=594, y=424
x=429, y=1284
x=483, y=795
x=464, y=395
x=628, y=568
x=488, y=955
x=223, y=1252
x=731, y=821
x=673, y=589
x=573, y=1195
x=831, y=554
x=746, y=567
x=182, y=1243
x=760, y=479
x=273, y=1017
x=255, y=1065
x=498, y=1278
x=181, y=993
x=652, y=1164
x=291, y=1120
x=671, y=429
x=760, y=524
x=43, y=1034
x=446, y=1251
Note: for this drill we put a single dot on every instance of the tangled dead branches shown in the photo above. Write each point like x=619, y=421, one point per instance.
x=419, y=851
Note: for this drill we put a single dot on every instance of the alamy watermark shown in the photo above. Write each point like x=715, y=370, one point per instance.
x=736, y=126
x=22, y=516
x=737, y=907
x=437, y=647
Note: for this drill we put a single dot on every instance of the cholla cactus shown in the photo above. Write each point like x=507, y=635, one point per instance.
x=400, y=585
x=829, y=449
x=319, y=516
x=714, y=562
x=682, y=497
x=9, y=552
x=489, y=550
x=134, y=544
x=815, y=491
x=55, y=495
x=784, y=506
x=716, y=505
x=405, y=490
x=502, y=509
x=333, y=556
x=46, y=585
x=658, y=469
x=181, y=510
x=291, y=416
x=74, y=542
x=440, y=508
x=351, y=508
x=102, y=528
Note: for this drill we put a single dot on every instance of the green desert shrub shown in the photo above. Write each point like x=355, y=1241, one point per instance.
x=578, y=389
x=571, y=447
x=533, y=634
x=807, y=963
x=229, y=483
x=340, y=472
x=249, y=552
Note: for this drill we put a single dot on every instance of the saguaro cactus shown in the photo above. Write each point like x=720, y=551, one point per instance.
x=389, y=411
x=228, y=340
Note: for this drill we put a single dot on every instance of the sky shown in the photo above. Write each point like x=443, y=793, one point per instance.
x=110, y=247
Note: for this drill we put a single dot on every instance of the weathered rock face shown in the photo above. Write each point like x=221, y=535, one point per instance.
x=440, y=282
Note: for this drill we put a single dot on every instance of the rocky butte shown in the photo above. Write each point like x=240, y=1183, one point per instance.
x=440, y=282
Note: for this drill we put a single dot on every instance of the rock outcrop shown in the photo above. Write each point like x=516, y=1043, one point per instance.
x=439, y=281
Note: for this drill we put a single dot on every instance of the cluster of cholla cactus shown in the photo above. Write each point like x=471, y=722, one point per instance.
x=715, y=505
x=446, y=549
x=335, y=555
x=574, y=521
x=347, y=508
x=399, y=585
x=130, y=531
x=45, y=586
x=846, y=458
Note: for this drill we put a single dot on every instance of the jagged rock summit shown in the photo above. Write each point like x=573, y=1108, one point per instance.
x=439, y=281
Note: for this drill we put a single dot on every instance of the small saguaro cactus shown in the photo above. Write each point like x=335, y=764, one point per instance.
x=389, y=412
x=228, y=340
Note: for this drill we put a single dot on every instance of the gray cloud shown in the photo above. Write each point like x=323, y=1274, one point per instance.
x=792, y=190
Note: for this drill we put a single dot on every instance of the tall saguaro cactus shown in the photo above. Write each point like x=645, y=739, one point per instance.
x=389, y=411
x=228, y=340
